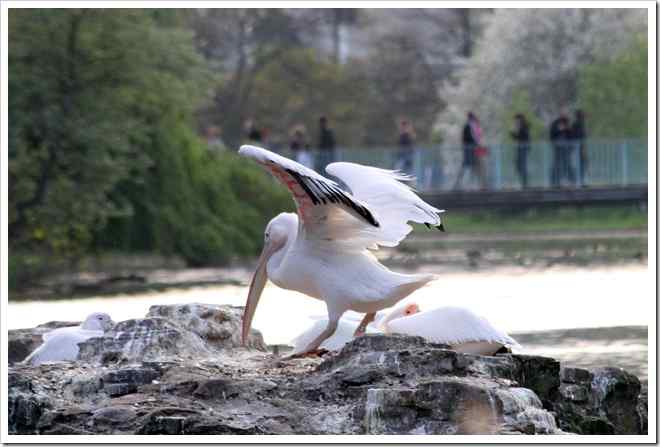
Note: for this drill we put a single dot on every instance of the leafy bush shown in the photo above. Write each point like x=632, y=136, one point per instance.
x=614, y=93
x=204, y=206
x=103, y=149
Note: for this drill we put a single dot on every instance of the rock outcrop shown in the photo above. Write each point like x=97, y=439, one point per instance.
x=179, y=371
x=601, y=401
x=219, y=326
x=178, y=331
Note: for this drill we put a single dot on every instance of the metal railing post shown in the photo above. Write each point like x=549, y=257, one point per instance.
x=417, y=167
x=498, y=167
x=624, y=162
x=546, y=170
x=578, y=163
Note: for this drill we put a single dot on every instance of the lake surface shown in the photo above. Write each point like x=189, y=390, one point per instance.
x=515, y=299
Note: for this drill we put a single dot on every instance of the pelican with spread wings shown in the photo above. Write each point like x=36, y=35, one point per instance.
x=323, y=250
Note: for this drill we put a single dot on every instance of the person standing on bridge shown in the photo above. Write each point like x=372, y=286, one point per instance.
x=471, y=139
x=521, y=136
x=560, y=134
x=326, y=153
x=406, y=147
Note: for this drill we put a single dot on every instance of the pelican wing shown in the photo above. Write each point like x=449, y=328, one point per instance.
x=392, y=201
x=61, y=330
x=61, y=346
x=451, y=326
x=374, y=213
x=323, y=206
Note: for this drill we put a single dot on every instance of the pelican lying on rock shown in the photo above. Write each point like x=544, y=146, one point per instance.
x=62, y=344
x=457, y=327
x=460, y=328
x=323, y=250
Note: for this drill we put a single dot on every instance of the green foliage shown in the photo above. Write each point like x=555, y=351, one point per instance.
x=204, y=206
x=275, y=73
x=88, y=91
x=103, y=148
x=399, y=84
x=614, y=94
x=297, y=89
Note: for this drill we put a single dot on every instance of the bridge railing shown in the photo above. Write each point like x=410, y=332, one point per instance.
x=619, y=162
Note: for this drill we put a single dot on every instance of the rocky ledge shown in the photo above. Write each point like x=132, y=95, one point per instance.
x=180, y=371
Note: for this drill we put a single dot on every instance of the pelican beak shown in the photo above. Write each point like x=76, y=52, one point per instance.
x=256, y=287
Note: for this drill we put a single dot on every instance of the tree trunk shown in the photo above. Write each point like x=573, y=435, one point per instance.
x=336, y=28
x=466, y=28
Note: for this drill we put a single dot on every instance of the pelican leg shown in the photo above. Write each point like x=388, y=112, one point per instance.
x=327, y=332
x=362, y=328
x=313, y=348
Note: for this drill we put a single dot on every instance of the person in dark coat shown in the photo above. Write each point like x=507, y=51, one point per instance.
x=560, y=134
x=254, y=134
x=470, y=141
x=406, y=147
x=521, y=136
x=326, y=145
x=578, y=137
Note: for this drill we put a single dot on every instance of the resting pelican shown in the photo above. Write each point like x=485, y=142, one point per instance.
x=459, y=328
x=322, y=251
x=62, y=343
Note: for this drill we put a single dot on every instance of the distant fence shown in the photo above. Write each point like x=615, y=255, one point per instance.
x=611, y=163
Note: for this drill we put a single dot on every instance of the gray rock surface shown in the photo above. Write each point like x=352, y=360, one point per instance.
x=219, y=326
x=140, y=381
x=143, y=339
x=601, y=401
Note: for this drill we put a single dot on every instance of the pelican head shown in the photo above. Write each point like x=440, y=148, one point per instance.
x=97, y=322
x=278, y=232
x=398, y=312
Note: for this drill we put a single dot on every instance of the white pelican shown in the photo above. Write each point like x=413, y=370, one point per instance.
x=459, y=328
x=62, y=343
x=322, y=251
x=344, y=333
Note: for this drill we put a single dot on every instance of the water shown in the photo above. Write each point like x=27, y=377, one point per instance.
x=518, y=300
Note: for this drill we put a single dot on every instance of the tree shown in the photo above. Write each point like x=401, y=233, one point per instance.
x=104, y=154
x=81, y=120
x=614, y=93
x=539, y=52
x=401, y=84
x=410, y=54
x=339, y=17
x=239, y=43
x=298, y=88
